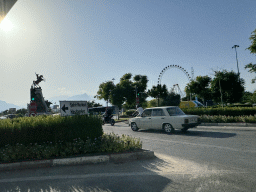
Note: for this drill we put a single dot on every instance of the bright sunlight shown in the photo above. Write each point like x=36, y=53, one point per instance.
x=6, y=25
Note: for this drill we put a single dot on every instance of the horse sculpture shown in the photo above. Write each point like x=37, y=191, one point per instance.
x=39, y=79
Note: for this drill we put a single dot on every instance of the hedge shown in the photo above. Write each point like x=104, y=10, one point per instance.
x=42, y=129
x=228, y=111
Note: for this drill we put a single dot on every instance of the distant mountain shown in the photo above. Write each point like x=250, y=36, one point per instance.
x=81, y=97
x=5, y=106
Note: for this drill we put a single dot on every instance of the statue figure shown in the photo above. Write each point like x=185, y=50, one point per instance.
x=39, y=79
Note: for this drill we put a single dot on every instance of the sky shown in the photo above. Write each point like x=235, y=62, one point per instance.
x=78, y=44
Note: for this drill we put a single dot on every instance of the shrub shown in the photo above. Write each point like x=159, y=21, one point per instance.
x=107, y=143
x=129, y=112
x=227, y=119
x=49, y=129
x=228, y=111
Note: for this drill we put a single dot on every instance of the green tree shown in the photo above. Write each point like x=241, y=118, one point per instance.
x=124, y=92
x=252, y=48
x=159, y=92
x=253, y=97
x=126, y=85
x=118, y=96
x=93, y=104
x=200, y=86
x=5, y=112
x=140, y=83
x=247, y=97
x=22, y=111
x=171, y=99
x=129, y=87
x=252, y=69
x=228, y=86
x=104, y=91
x=152, y=103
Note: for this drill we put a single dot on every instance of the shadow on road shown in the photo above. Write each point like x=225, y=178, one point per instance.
x=207, y=134
x=129, y=176
x=192, y=133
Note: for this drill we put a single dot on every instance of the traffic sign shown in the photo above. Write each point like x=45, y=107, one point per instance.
x=69, y=108
x=137, y=100
x=33, y=107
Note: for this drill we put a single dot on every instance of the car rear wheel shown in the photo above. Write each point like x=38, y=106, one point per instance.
x=112, y=122
x=184, y=130
x=134, y=126
x=168, y=128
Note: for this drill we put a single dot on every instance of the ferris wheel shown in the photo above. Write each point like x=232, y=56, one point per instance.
x=177, y=67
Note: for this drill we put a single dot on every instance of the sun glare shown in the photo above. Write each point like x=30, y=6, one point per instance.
x=6, y=25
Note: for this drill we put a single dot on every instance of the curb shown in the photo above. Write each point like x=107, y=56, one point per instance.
x=100, y=159
x=229, y=124
x=121, y=121
x=252, y=125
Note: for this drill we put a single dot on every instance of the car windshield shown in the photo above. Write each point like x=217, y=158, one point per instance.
x=173, y=111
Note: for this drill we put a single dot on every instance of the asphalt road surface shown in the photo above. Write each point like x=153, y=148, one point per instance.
x=204, y=159
x=211, y=145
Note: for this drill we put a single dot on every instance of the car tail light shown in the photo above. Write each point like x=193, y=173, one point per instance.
x=185, y=121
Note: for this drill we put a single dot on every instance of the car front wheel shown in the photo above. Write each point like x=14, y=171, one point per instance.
x=168, y=128
x=134, y=127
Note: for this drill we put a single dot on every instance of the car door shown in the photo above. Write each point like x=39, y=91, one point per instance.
x=145, y=120
x=158, y=117
x=176, y=116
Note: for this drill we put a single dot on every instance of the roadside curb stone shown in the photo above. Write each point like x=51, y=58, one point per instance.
x=145, y=154
x=25, y=165
x=229, y=124
x=208, y=124
x=81, y=160
x=100, y=159
x=219, y=124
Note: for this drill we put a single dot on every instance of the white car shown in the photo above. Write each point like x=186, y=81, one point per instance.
x=3, y=117
x=168, y=118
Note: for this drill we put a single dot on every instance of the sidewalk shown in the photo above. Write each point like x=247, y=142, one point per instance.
x=109, y=158
x=229, y=124
x=216, y=124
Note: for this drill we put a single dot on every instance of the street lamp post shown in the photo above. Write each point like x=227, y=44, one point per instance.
x=235, y=46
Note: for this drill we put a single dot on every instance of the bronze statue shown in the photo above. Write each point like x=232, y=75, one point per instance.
x=39, y=79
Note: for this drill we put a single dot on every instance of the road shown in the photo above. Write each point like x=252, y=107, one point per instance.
x=212, y=145
x=204, y=159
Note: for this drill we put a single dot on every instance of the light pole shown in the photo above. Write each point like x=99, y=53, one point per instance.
x=235, y=46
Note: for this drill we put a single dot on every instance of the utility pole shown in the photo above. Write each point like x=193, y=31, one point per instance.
x=235, y=46
x=158, y=99
x=220, y=94
x=136, y=95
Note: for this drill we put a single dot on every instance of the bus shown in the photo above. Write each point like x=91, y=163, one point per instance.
x=101, y=110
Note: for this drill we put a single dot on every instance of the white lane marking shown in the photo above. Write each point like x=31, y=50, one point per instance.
x=79, y=176
x=200, y=145
x=89, y=176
